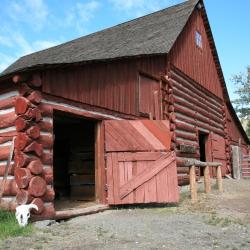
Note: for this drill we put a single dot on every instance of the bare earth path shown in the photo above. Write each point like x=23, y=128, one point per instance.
x=217, y=221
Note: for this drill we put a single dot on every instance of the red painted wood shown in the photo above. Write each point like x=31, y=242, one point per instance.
x=22, y=177
x=113, y=87
x=193, y=61
x=137, y=135
x=37, y=186
x=35, y=167
x=21, y=105
x=10, y=188
x=139, y=181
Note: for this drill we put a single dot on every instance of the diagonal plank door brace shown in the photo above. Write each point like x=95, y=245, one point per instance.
x=164, y=161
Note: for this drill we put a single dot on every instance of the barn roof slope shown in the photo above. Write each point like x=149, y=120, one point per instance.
x=148, y=35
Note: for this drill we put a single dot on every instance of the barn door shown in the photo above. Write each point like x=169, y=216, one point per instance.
x=140, y=166
x=218, y=152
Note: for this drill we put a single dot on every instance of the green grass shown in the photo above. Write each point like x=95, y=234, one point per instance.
x=9, y=226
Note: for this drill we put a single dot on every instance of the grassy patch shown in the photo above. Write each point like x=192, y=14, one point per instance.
x=219, y=221
x=9, y=226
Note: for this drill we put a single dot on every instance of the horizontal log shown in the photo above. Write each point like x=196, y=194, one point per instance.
x=10, y=169
x=198, y=93
x=4, y=152
x=9, y=134
x=5, y=139
x=183, y=135
x=185, y=126
x=191, y=163
x=10, y=187
x=8, y=205
x=48, y=213
x=49, y=195
x=46, y=141
x=37, y=186
x=67, y=214
x=40, y=205
x=187, y=155
x=23, y=197
x=22, y=177
x=34, y=147
x=46, y=110
x=7, y=120
x=7, y=102
x=45, y=126
x=196, y=108
x=35, y=167
x=35, y=97
x=172, y=117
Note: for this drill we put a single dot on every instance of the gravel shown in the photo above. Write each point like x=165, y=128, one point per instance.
x=205, y=225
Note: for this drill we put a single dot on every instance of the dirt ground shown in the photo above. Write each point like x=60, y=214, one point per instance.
x=216, y=221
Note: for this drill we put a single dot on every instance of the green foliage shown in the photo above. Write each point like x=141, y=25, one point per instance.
x=242, y=104
x=9, y=226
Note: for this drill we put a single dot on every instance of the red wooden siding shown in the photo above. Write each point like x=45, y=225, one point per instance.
x=112, y=85
x=197, y=63
x=149, y=93
x=139, y=168
x=135, y=178
x=144, y=135
x=219, y=152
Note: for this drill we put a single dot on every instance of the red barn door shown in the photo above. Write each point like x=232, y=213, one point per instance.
x=140, y=166
x=219, y=152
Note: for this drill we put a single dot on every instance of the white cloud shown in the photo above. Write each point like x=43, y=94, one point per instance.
x=81, y=13
x=32, y=12
x=140, y=7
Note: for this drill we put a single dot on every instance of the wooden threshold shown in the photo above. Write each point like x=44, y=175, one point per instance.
x=67, y=214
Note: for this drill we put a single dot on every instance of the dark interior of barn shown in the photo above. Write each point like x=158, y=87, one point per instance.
x=202, y=146
x=74, y=160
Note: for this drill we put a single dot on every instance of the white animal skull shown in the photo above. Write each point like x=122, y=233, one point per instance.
x=23, y=213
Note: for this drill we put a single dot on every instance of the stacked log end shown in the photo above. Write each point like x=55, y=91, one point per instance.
x=33, y=145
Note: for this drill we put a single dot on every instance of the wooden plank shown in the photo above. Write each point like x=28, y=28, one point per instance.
x=138, y=156
x=140, y=191
x=115, y=166
x=110, y=180
x=149, y=173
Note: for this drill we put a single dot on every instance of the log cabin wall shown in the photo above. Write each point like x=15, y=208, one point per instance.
x=195, y=109
x=8, y=94
x=110, y=85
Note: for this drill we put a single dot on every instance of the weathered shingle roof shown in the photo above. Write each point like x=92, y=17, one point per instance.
x=148, y=35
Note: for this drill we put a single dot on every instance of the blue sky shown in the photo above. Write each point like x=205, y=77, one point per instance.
x=32, y=25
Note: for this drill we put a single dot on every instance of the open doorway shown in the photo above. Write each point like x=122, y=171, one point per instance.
x=203, y=137
x=74, y=160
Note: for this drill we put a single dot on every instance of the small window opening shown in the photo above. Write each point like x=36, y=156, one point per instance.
x=198, y=39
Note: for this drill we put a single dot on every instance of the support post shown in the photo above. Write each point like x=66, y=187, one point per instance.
x=207, y=182
x=193, y=186
x=219, y=179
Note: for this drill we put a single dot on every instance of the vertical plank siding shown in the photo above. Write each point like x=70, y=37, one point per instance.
x=195, y=62
x=112, y=85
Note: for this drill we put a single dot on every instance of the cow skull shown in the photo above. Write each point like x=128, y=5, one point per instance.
x=23, y=213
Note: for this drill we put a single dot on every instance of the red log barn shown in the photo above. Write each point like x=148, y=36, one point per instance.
x=111, y=117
